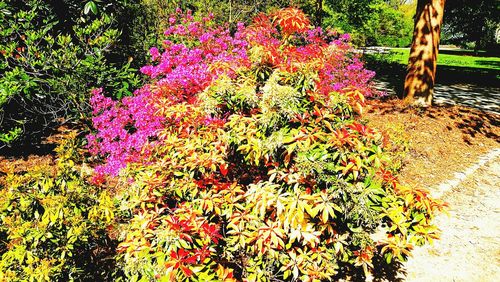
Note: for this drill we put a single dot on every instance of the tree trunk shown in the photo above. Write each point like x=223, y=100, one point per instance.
x=477, y=45
x=319, y=12
x=419, y=82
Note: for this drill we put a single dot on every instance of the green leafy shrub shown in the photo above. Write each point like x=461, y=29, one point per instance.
x=261, y=172
x=50, y=56
x=53, y=224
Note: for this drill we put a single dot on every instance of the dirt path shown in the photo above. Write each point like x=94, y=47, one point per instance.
x=469, y=248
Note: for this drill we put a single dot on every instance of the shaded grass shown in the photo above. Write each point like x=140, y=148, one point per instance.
x=453, y=67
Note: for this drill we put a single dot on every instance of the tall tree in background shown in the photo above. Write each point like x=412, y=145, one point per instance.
x=419, y=82
x=483, y=19
x=318, y=13
x=371, y=22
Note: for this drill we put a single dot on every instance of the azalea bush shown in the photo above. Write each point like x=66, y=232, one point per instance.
x=244, y=158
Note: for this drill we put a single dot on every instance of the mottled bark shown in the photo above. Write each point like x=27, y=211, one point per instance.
x=419, y=82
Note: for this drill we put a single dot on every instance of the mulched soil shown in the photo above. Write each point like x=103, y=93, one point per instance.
x=21, y=159
x=442, y=139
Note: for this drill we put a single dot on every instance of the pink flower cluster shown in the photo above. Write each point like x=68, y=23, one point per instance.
x=194, y=54
x=123, y=128
x=344, y=70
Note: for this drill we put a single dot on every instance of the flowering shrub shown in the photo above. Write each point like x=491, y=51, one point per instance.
x=182, y=70
x=123, y=128
x=252, y=164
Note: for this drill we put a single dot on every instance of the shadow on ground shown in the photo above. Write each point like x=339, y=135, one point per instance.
x=461, y=52
x=471, y=122
x=495, y=64
x=395, y=72
x=23, y=151
x=382, y=271
x=471, y=87
x=36, y=142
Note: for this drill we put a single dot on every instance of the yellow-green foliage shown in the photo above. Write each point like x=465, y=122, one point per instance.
x=397, y=143
x=51, y=223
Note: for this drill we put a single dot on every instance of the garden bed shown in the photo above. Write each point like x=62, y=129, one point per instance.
x=443, y=140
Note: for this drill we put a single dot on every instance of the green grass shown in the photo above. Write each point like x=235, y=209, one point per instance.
x=400, y=55
x=454, y=66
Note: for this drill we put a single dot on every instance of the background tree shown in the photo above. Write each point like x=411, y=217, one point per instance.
x=483, y=19
x=371, y=22
x=419, y=82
